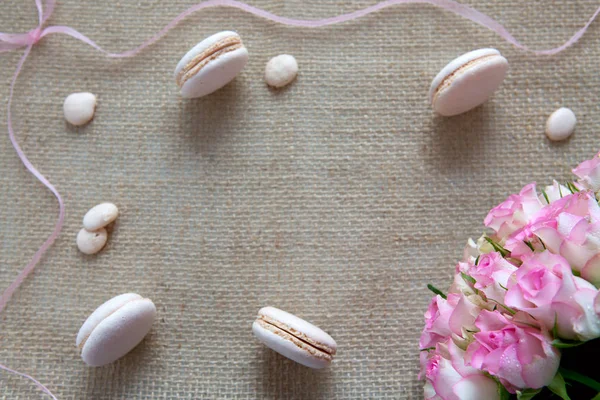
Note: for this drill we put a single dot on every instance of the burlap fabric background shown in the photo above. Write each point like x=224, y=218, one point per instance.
x=338, y=198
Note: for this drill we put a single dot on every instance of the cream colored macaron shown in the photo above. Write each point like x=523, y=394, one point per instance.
x=294, y=338
x=467, y=81
x=115, y=328
x=211, y=64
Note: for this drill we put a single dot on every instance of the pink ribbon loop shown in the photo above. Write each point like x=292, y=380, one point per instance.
x=10, y=42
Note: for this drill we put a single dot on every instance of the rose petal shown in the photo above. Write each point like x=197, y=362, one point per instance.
x=476, y=387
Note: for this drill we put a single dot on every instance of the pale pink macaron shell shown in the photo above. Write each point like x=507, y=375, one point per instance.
x=286, y=347
x=472, y=79
x=115, y=328
x=216, y=73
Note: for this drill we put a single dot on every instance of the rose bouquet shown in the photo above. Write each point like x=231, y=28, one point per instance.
x=522, y=314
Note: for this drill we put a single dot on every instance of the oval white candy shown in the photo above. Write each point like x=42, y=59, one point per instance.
x=467, y=81
x=294, y=338
x=281, y=70
x=91, y=242
x=561, y=124
x=100, y=216
x=115, y=328
x=79, y=108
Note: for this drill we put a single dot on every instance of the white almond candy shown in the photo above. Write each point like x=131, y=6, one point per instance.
x=91, y=242
x=79, y=108
x=467, y=81
x=561, y=124
x=294, y=338
x=100, y=216
x=115, y=328
x=281, y=70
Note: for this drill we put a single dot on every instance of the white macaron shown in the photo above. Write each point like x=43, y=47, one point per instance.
x=294, y=338
x=115, y=328
x=211, y=64
x=467, y=81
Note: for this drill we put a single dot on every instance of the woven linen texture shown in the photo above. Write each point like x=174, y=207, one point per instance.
x=337, y=198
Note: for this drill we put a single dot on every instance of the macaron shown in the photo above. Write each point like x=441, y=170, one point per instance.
x=211, y=64
x=467, y=81
x=115, y=328
x=294, y=338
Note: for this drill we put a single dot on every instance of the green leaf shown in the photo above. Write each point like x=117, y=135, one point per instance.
x=560, y=191
x=545, y=196
x=527, y=394
x=428, y=349
x=557, y=386
x=510, y=310
x=477, y=260
x=572, y=187
x=577, y=377
x=468, y=278
x=437, y=291
x=596, y=397
x=504, y=395
x=565, y=344
x=529, y=245
x=497, y=247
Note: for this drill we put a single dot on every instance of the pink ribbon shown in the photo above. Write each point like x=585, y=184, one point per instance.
x=10, y=42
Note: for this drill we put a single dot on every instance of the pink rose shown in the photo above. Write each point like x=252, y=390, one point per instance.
x=518, y=354
x=459, y=285
x=514, y=213
x=545, y=287
x=448, y=319
x=573, y=231
x=448, y=378
x=555, y=192
x=523, y=243
x=473, y=249
x=588, y=173
x=491, y=273
x=437, y=317
x=545, y=217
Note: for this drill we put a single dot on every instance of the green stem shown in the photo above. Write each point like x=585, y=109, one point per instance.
x=577, y=377
x=503, y=252
x=437, y=291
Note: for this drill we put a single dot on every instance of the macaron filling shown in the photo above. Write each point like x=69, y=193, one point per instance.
x=299, y=339
x=223, y=46
x=447, y=81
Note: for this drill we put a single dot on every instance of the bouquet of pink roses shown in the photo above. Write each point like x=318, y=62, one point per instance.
x=523, y=310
